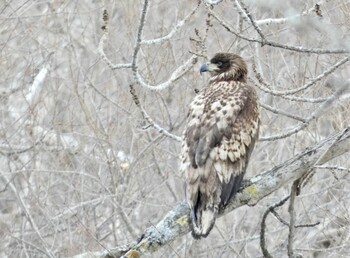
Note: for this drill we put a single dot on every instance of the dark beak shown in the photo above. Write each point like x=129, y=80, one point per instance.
x=209, y=67
x=204, y=68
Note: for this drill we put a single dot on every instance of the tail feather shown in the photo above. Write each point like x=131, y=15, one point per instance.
x=202, y=221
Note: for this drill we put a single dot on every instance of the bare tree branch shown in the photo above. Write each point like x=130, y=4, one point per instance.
x=281, y=112
x=102, y=42
x=263, y=226
x=276, y=44
x=30, y=218
x=283, y=93
x=213, y=2
x=269, y=21
x=321, y=109
x=175, y=223
x=149, y=119
x=180, y=71
x=241, y=4
x=291, y=211
x=179, y=25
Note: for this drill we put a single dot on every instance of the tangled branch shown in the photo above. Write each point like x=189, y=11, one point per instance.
x=175, y=223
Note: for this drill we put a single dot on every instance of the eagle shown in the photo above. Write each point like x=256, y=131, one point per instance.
x=221, y=130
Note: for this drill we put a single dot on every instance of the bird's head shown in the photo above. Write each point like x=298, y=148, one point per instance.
x=226, y=66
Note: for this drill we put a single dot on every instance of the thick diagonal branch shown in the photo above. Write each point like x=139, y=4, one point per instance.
x=174, y=224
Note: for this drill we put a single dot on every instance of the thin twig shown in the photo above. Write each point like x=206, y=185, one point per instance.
x=292, y=218
x=283, y=113
x=104, y=38
x=139, y=38
x=179, y=72
x=277, y=216
x=91, y=84
x=149, y=119
x=176, y=28
x=320, y=110
x=159, y=171
x=31, y=220
x=276, y=44
x=283, y=93
x=334, y=168
x=306, y=178
x=269, y=21
x=240, y=11
x=251, y=19
x=267, y=88
x=263, y=226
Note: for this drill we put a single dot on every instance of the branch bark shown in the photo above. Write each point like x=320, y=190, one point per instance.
x=175, y=223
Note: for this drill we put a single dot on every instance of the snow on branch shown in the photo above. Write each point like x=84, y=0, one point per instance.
x=175, y=223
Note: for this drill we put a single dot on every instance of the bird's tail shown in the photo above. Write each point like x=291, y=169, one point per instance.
x=203, y=196
x=202, y=220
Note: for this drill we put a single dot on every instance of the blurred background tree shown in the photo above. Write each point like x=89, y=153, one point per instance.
x=93, y=100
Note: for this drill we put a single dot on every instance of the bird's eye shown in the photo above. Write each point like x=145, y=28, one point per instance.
x=219, y=64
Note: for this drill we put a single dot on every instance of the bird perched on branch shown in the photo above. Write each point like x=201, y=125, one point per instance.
x=221, y=131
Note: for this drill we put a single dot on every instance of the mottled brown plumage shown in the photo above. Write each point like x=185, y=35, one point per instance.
x=222, y=127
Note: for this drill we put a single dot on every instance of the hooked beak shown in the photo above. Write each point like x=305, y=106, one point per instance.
x=208, y=67
x=204, y=68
